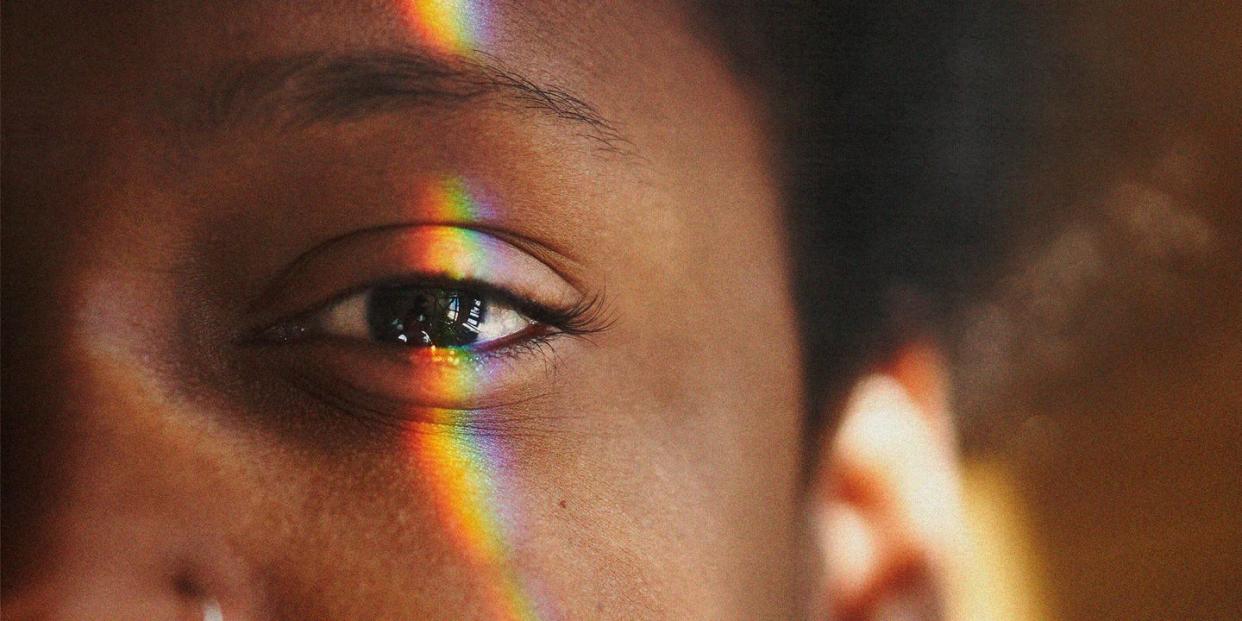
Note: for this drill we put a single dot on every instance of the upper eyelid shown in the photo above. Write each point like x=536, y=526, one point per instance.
x=553, y=258
x=287, y=297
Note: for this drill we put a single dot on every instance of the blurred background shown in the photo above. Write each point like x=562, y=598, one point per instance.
x=1098, y=360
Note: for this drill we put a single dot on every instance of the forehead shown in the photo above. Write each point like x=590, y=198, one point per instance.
x=606, y=52
x=131, y=80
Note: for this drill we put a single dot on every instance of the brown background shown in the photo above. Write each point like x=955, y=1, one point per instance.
x=1103, y=368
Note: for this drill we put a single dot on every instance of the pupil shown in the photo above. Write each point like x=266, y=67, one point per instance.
x=424, y=316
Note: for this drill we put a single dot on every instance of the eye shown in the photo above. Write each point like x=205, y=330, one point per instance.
x=417, y=315
x=423, y=315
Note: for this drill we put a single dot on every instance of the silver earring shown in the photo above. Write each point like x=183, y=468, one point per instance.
x=211, y=610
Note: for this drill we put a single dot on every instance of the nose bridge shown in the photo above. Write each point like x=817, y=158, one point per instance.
x=120, y=508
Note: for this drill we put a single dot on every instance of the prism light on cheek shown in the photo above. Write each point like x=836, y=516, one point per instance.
x=448, y=26
x=464, y=470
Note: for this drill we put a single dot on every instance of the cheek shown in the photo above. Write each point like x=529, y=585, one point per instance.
x=684, y=477
x=316, y=516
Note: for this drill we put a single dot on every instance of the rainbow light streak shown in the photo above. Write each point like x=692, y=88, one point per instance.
x=448, y=26
x=465, y=465
x=452, y=200
x=462, y=467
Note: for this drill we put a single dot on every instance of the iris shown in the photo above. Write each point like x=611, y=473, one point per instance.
x=425, y=316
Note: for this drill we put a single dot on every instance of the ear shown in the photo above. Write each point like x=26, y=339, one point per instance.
x=888, y=502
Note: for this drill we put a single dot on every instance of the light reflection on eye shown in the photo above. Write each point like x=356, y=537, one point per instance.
x=422, y=316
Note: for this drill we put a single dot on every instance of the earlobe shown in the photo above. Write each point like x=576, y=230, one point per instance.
x=888, y=510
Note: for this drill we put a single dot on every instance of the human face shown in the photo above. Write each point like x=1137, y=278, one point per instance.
x=232, y=233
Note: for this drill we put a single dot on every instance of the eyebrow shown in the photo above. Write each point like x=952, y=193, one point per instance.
x=312, y=89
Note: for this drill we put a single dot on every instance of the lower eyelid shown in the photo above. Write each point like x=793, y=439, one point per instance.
x=427, y=377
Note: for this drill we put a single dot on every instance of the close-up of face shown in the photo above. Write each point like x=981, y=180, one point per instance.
x=461, y=310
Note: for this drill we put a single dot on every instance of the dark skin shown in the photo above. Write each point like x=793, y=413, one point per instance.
x=169, y=460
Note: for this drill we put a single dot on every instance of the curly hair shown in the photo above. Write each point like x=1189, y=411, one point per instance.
x=901, y=127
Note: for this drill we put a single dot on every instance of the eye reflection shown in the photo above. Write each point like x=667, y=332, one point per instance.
x=423, y=316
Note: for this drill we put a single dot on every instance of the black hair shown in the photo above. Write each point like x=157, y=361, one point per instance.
x=899, y=129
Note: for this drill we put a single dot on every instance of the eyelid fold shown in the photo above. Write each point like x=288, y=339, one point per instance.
x=427, y=253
